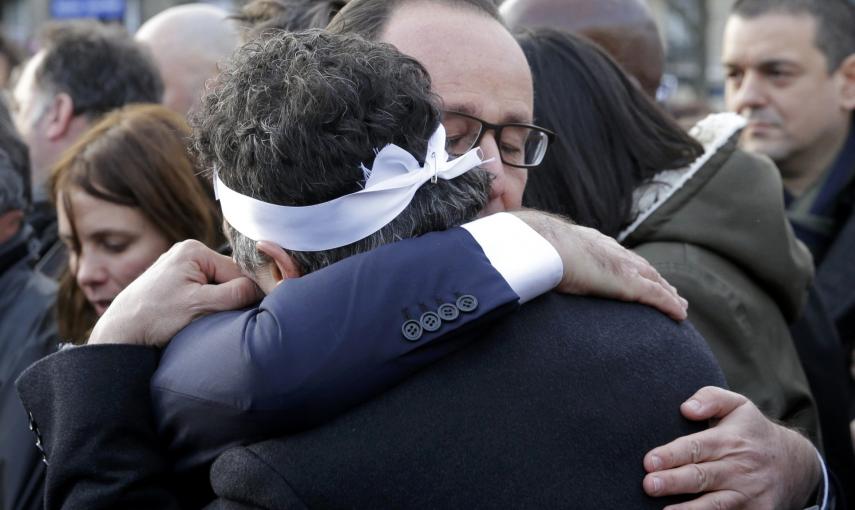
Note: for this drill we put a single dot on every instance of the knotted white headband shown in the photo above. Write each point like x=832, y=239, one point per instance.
x=390, y=186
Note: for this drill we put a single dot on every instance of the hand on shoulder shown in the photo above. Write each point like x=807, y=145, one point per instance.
x=743, y=461
x=188, y=281
x=597, y=265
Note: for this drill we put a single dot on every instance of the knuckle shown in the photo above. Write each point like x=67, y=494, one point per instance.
x=626, y=267
x=701, y=478
x=719, y=503
x=183, y=246
x=753, y=462
x=695, y=449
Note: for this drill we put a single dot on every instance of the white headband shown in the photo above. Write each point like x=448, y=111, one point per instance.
x=389, y=187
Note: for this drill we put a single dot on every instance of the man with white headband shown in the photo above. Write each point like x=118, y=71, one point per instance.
x=345, y=121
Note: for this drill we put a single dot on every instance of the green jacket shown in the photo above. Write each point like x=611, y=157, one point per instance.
x=718, y=232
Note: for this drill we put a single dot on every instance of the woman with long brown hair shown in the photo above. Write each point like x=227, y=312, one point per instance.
x=125, y=192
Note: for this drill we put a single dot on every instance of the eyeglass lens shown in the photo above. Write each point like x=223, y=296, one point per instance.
x=518, y=145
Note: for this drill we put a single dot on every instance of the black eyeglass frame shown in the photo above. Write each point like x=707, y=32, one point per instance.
x=497, y=129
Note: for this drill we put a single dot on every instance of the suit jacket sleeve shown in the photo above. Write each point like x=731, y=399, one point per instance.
x=90, y=410
x=320, y=344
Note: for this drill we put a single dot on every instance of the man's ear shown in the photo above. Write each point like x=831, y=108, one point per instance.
x=283, y=266
x=847, y=74
x=59, y=116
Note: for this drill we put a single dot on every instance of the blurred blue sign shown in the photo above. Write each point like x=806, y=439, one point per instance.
x=101, y=9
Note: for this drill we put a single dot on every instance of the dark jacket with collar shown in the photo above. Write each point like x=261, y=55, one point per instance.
x=835, y=285
x=723, y=240
x=27, y=333
x=717, y=231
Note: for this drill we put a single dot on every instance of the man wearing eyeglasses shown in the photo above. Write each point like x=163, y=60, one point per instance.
x=486, y=89
x=521, y=145
x=484, y=82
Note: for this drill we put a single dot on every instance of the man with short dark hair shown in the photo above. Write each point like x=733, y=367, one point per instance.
x=83, y=70
x=791, y=72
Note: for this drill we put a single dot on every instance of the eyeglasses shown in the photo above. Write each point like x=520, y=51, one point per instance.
x=520, y=145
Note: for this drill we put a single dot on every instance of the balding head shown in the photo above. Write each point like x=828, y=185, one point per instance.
x=624, y=28
x=188, y=42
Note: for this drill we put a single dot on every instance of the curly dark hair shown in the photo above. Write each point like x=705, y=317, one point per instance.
x=98, y=65
x=293, y=117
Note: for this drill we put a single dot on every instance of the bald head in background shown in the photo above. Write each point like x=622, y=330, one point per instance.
x=188, y=42
x=626, y=29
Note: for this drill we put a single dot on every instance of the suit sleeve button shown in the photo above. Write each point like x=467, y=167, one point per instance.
x=448, y=312
x=467, y=303
x=430, y=321
x=412, y=330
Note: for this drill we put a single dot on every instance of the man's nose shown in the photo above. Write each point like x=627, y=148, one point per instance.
x=749, y=95
x=490, y=149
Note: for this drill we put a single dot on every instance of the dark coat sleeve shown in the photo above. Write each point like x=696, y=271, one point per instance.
x=91, y=410
x=826, y=366
x=320, y=344
x=21, y=466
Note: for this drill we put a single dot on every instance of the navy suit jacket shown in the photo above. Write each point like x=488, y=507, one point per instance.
x=319, y=344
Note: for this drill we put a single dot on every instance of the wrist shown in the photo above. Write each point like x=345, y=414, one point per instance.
x=106, y=331
x=545, y=224
x=806, y=476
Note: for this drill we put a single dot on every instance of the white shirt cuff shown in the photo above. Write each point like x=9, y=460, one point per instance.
x=527, y=261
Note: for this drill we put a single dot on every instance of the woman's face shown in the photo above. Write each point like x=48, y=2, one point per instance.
x=116, y=244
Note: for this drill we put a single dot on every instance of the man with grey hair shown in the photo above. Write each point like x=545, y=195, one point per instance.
x=27, y=326
x=188, y=43
x=83, y=70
